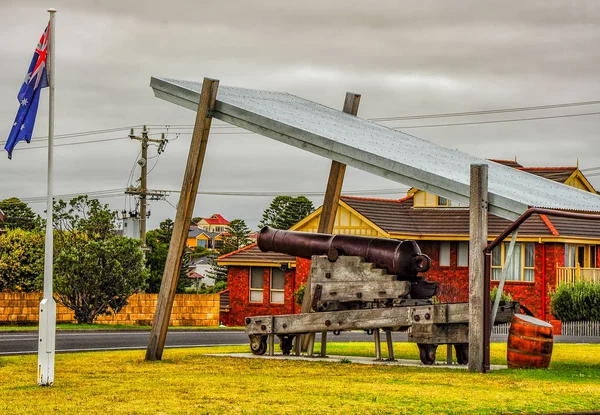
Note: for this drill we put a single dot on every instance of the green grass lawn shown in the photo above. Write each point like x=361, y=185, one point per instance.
x=187, y=381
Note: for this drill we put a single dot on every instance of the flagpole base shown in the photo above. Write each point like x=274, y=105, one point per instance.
x=46, y=342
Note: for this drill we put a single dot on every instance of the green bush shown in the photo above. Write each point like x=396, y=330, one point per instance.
x=504, y=297
x=299, y=294
x=579, y=302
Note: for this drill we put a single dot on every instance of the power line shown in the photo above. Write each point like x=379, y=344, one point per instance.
x=259, y=193
x=495, y=121
x=485, y=112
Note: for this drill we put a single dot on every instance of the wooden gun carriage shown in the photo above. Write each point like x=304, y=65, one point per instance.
x=361, y=283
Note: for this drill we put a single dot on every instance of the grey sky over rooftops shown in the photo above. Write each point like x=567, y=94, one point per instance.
x=405, y=58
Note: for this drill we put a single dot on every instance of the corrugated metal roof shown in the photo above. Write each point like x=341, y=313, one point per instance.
x=377, y=149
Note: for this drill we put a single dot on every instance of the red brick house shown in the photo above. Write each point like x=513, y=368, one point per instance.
x=549, y=250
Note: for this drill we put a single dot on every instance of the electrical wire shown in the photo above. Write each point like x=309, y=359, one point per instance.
x=495, y=121
x=486, y=112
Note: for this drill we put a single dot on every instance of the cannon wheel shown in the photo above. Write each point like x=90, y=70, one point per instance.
x=285, y=343
x=258, y=344
x=462, y=353
x=427, y=353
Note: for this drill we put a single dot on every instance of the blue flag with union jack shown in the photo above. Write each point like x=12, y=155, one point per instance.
x=29, y=96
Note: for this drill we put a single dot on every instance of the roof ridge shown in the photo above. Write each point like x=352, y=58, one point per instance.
x=550, y=225
x=237, y=250
x=547, y=168
x=375, y=199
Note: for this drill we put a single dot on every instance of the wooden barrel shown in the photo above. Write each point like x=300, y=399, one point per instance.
x=529, y=343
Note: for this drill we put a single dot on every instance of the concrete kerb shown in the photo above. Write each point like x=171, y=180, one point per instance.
x=351, y=359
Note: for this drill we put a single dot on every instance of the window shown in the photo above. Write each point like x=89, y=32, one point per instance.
x=583, y=256
x=522, y=266
x=257, y=284
x=442, y=201
x=444, y=254
x=277, y=285
x=463, y=254
x=201, y=242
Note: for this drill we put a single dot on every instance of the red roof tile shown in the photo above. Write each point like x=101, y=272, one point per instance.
x=252, y=253
x=509, y=163
x=403, y=218
x=217, y=219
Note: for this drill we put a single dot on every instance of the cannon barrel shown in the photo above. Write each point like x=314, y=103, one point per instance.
x=401, y=258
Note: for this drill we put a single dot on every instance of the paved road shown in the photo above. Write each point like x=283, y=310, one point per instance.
x=13, y=343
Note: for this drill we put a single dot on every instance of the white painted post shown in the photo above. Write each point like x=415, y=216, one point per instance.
x=47, y=330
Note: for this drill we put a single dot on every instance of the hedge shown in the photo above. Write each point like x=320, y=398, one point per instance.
x=578, y=302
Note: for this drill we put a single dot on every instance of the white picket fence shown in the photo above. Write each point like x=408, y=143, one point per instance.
x=581, y=328
x=569, y=328
x=501, y=329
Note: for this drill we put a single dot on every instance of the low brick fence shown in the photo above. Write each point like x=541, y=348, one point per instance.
x=188, y=310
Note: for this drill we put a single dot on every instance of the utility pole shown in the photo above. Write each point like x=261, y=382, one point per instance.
x=142, y=191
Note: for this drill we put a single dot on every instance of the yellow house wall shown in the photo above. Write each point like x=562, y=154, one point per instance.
x=424, y=199
x=346, y=222
x=576, y=182
x=190, y=242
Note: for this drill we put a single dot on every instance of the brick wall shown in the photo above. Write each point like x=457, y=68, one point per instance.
x=188, y=310
x=238, y=283
x=454, y=280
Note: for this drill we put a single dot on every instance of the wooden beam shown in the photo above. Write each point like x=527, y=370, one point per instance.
x=477, y=288
x=332, y=193
x=185, y=209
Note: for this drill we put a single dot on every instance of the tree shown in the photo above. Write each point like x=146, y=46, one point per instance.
x=21, y=260
x=285, y=211
x=96, y=277
x=236, y=236
x=95, y=270
x=158, y=241
x=18, y=215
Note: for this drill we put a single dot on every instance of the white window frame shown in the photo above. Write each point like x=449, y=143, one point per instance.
x=254, y=289
x=445, y=252
x=462, y=247
x=277, y=290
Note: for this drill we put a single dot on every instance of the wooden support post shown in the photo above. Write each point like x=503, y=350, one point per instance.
x=271, y=345
x=311, y=345
x=331, y=201
x=298, y=344
x=185, y=209
x=479, y=292
x=377, y=339
x=390, y=345
x=449, y=354
x=324, y=344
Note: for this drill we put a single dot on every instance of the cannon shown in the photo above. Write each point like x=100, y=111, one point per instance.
x=401, y=258
x=364, y=283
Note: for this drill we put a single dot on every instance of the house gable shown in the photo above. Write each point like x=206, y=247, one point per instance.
x=347, y=221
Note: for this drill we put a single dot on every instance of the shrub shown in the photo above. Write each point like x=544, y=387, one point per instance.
x=579, y=302
x=504, y=297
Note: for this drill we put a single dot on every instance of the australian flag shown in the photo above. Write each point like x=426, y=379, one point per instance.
x=29, y=96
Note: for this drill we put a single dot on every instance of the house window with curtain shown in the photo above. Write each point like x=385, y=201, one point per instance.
x=522, y=266
x=444, y=254
x=462, y=254
x=257, y=284
x=277, y=285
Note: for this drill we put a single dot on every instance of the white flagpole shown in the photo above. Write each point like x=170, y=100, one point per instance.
x=47, y=334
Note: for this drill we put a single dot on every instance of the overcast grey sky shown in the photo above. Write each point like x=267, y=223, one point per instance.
x=405, y=58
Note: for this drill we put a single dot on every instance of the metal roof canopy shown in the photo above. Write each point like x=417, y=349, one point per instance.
x=374, y=148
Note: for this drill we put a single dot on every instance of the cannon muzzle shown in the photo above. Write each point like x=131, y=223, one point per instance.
x=401, y=258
